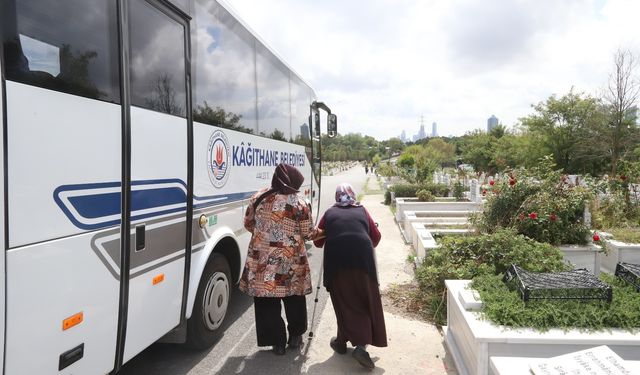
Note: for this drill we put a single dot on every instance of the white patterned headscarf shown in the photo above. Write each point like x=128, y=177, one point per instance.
x=345, y=196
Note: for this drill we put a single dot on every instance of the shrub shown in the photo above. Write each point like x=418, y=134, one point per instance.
x=405, y=190
x=425, y=195
x=387, y=197
x=467, y=257
x=458, y=191
x=555, y=217
x=542, y=205
x=411, y=190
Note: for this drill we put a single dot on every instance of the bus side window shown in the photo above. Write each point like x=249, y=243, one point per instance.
x=157, y=60
x=224, y=73
x=274, y=107
x=72, y=47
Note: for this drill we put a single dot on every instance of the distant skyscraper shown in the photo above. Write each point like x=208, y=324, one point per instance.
x=304, y=131
x=434, y=130
x=492, y=122
x=403, y=136
x=421, y=134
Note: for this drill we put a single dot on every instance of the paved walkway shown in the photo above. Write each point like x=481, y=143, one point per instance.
x=413, y=347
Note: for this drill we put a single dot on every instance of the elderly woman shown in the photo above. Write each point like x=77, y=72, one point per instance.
x=277, y=269
x=350, y=275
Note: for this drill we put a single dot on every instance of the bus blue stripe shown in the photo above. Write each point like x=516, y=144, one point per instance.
x=95, y=206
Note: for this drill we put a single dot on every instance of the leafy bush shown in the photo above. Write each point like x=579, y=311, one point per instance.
x=425, y=196
x=542, y=205
x=458, y=190
x=467, y=257
x=555, y=217
x=503, y=203
x=505, y=307
x=405, y=190
x=619, y=198
x=406, y=161
x=387, y=197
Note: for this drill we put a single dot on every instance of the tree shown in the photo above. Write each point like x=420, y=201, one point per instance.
x=395, y=145
x=163, y=96
x=560, y=124
x=477, y=148
x=218, y=117
x=621, y=97
x=278, y=135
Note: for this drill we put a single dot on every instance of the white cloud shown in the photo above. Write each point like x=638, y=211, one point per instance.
x=381, y=64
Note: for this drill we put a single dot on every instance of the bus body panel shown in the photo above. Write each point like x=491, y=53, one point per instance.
x=159, y=166
x=2, y=231
x=57, y=140
x=52, y=281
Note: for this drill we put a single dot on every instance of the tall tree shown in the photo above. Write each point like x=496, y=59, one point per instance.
x=621, y=98
x=558, y=122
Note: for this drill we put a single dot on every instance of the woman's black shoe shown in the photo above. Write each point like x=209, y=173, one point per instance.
x=279, y=350
x=340, y=348
x=295, y=341
x=363, y=358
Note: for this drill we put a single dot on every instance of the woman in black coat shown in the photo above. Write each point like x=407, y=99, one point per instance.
x=350, y=275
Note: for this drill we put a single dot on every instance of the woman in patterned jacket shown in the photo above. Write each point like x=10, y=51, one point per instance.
x=277, y=269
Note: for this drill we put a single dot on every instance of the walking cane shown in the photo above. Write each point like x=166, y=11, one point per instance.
x=315, y=301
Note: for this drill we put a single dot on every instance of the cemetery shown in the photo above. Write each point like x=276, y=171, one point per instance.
x=545, y=224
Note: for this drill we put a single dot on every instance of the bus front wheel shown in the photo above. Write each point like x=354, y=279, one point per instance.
x=211, y=304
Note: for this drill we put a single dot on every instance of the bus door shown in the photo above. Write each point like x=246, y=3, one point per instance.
x=158, y=185
x=316, y=159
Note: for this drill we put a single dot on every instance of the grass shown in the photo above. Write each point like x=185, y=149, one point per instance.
x=627, y=235
x=503, y=306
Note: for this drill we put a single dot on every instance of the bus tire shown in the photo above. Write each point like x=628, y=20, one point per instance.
x=211, y=304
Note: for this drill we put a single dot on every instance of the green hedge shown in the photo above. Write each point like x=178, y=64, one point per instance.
x=410, y=190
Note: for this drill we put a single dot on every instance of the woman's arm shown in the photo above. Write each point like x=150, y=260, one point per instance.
x=319, y=242
x=307, y=231
x=374, y=233
x=249, y=217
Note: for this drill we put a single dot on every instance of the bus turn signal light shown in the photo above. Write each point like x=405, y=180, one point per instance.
x=158, y=279
x=72, y=321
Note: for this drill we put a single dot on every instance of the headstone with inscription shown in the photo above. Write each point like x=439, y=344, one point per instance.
x=600, y=360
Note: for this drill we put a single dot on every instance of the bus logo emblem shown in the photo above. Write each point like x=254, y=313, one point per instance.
x=218, y=158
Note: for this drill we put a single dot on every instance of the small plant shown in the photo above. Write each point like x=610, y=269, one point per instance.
x=458, y=190
x=425, y=196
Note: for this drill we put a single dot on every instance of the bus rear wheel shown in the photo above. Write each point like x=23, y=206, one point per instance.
x=211, y=304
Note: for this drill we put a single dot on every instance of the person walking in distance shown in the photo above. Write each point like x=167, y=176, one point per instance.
x=277, y=268
x=349, y=236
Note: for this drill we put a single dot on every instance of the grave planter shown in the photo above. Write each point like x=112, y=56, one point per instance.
x=473, y=341
x=618, y=251
x=583, y=256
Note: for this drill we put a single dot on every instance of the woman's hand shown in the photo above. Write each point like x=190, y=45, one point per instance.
x=317, y=234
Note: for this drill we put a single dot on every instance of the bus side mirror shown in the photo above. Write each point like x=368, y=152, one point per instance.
x=332, y=125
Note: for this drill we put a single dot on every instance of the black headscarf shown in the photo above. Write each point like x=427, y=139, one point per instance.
x=286, y=180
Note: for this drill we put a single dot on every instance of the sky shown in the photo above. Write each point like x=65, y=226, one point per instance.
x=384, y=66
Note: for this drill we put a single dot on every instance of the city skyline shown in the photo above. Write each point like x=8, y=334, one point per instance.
x=377, y=63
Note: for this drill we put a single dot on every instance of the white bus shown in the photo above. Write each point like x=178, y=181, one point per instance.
x=151, y=118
